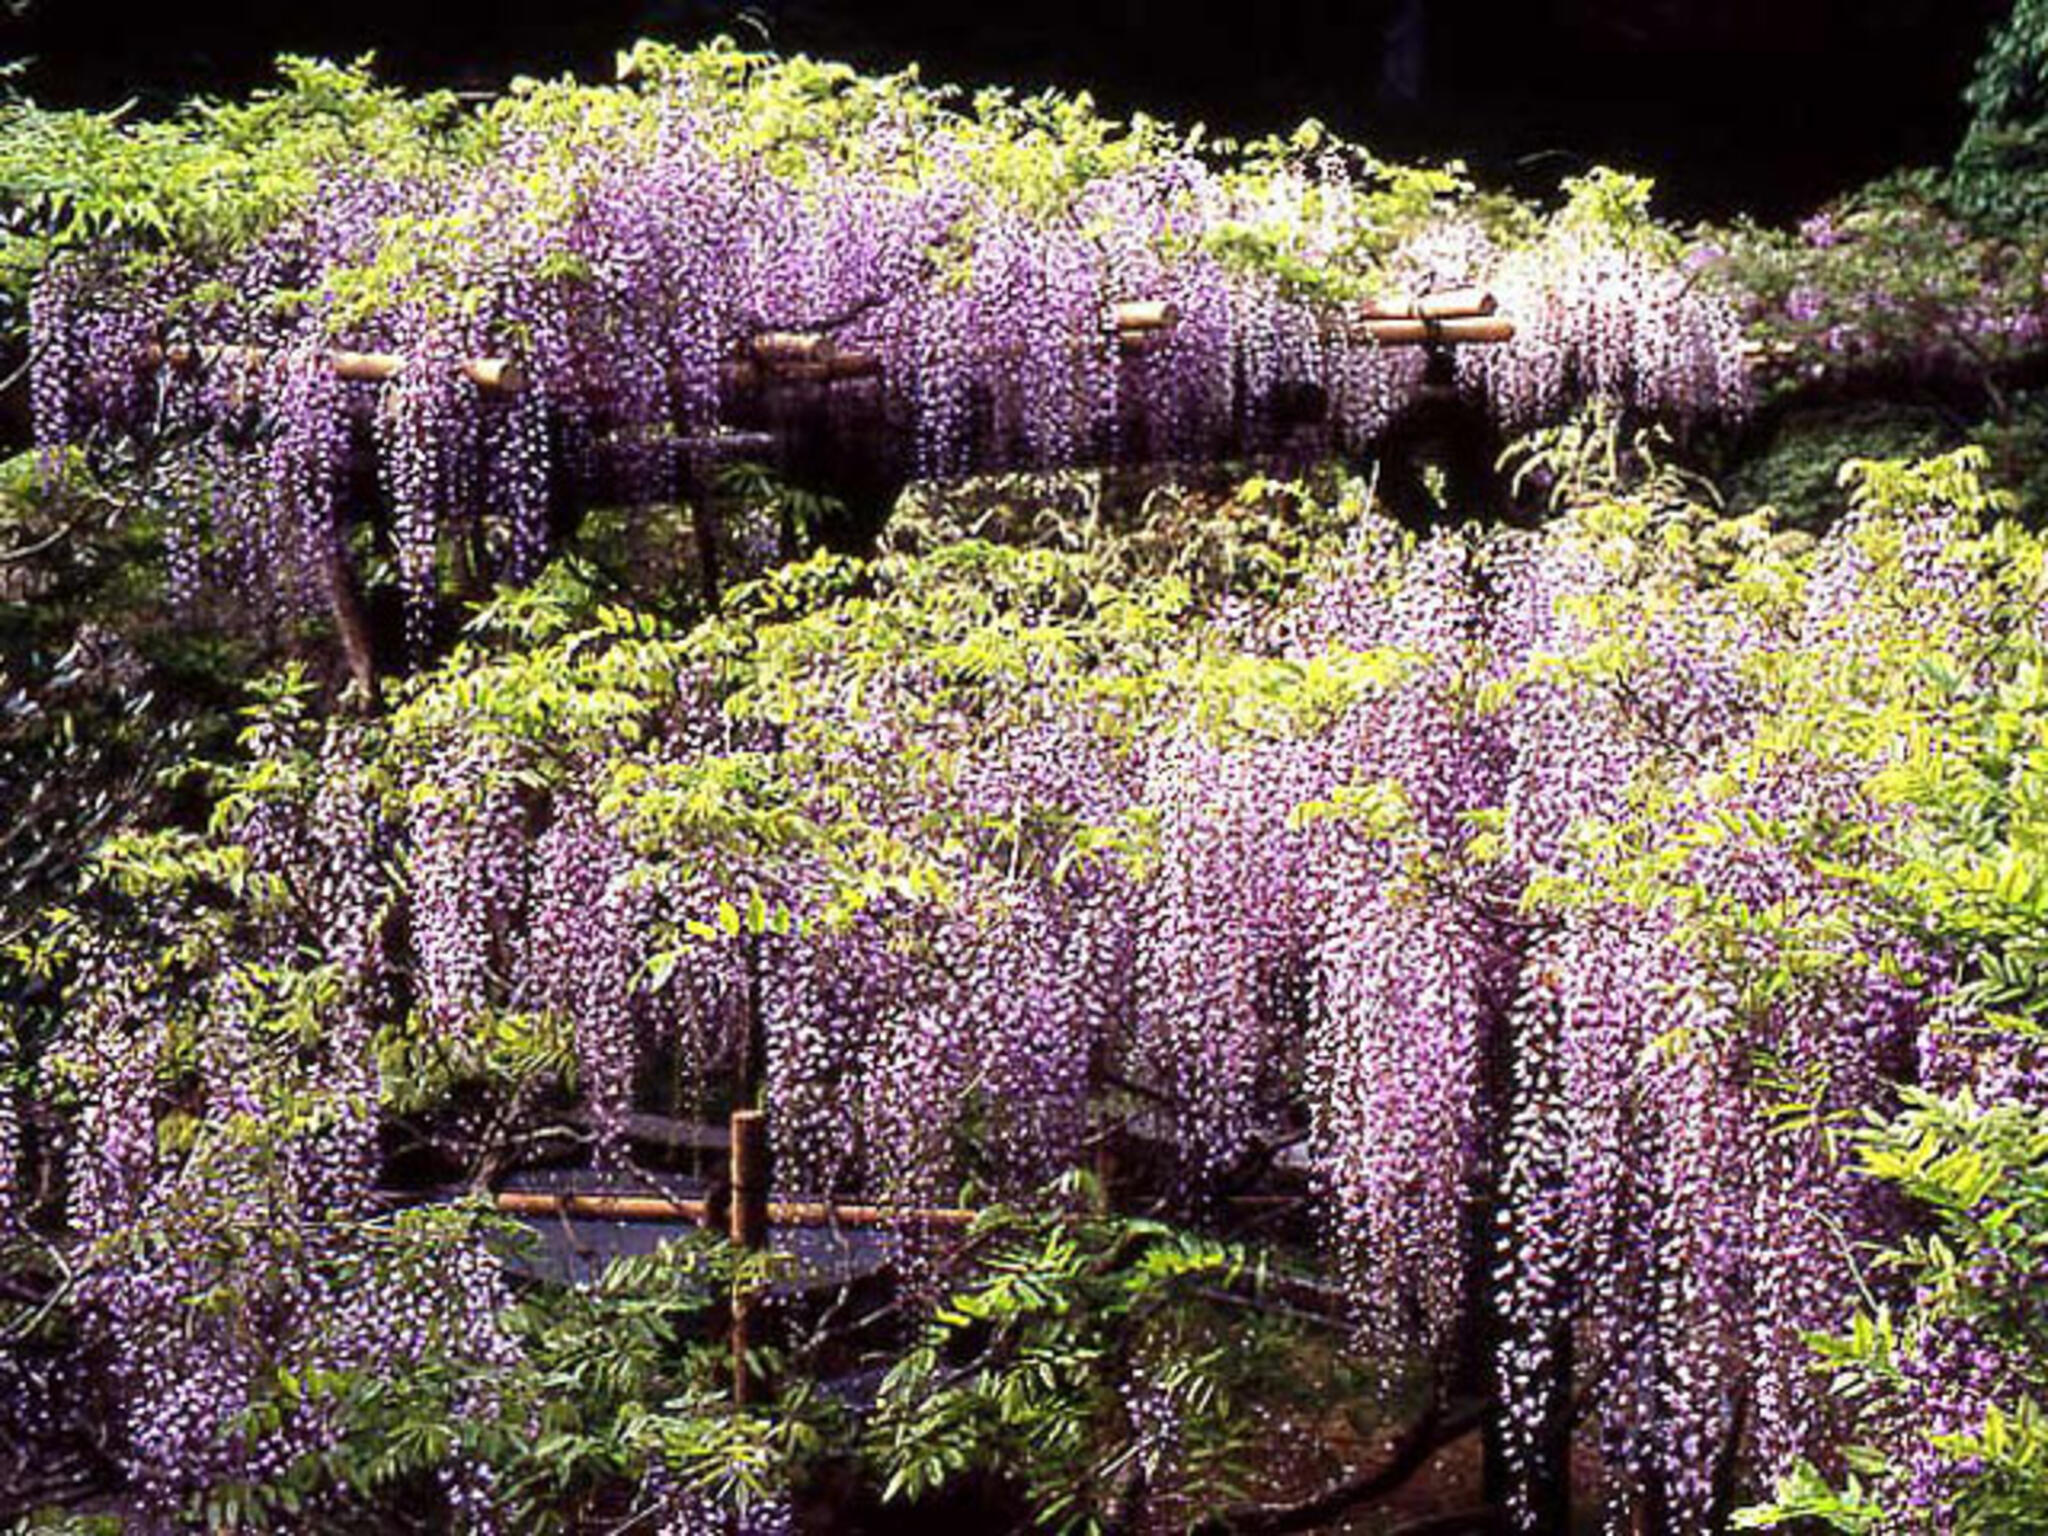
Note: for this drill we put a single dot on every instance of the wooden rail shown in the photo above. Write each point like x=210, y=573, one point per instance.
x=749, y=1215
x=1425, y=332
x=499, y=375
x=1445, y=304
x=1769, y=354
x=1457, y=317
x=779, y=1213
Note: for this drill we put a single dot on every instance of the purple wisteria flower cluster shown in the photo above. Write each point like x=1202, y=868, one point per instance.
x=575, y=303
x=1886, y=283
x=1493, y=862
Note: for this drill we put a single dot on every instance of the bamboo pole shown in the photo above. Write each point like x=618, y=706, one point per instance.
x=794, y=354
x=1142, y=317
x=500, y=375
x=779, y=1213
x=749, y=1233
x=772, y=347
x=1460, y=317
x=1473, y=331
x=1446, y=304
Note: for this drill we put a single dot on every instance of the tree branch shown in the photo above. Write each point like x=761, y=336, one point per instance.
x=1437, y=1428
x=1481, y=1521
x=64, y=530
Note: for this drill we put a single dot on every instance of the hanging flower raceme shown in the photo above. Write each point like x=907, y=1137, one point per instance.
x=1532, y=883
x=573, y=315
x=584, y=948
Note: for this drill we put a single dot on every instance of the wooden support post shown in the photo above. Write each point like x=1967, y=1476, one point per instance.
x=749, y=1232
x=705, y=523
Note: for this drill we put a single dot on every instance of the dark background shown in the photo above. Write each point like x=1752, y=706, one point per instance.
x=1760, y=105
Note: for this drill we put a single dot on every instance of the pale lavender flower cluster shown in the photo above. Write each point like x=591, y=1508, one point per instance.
x=641, y=278
x=1602, y=320
x=1410, y=915
x=467, y=879
x=585, y=943
x=247, y=1263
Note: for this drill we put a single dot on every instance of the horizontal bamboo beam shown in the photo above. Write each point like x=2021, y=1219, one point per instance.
x=808, y=357
x=498, y=374
x=821, y=368
x=785, y=1213
x=770, y=357
x=1474, y=331
x=816, y=356
x=1770, y=354
x=1445, y=304
x=1133, y=323
x=1141, y=317
x=772, y=347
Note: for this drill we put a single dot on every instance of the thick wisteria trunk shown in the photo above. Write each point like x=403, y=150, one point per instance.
x=837, y=440
x=1456, y=436
x=1535, y=1475
x=1652, y=1515
x=352, y=625
x=704, y=534
x=753, y=1063
x=1545, y=1482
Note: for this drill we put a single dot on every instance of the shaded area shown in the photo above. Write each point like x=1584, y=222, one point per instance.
x=575, y=1250
x=1767, y=108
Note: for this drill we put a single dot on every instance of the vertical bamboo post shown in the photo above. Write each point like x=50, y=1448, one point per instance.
x=704, y=531
x=1105, y=1166
x=749, y=1232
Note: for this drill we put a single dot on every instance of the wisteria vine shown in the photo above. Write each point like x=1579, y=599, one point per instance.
x=1497, y=866
x=641, y=256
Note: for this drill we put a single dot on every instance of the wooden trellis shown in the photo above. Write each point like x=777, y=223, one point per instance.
x=595, y=1206
x=747, y=1213
x=1456, y=317
x=771, y=378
